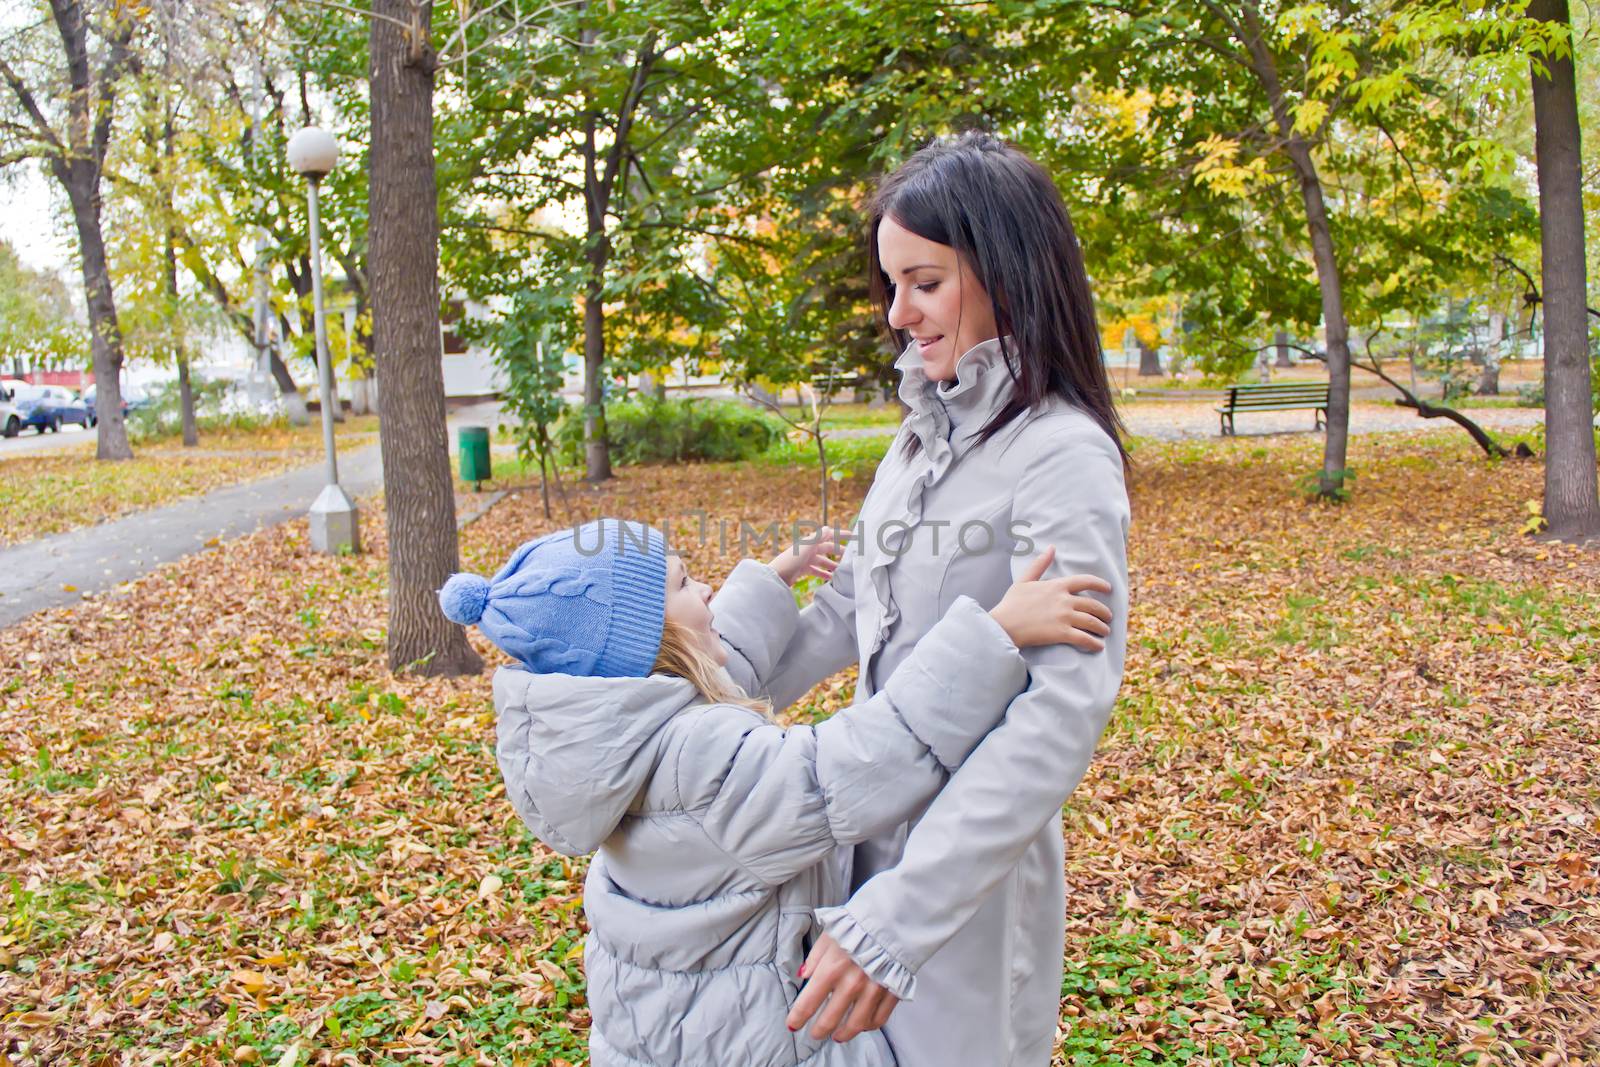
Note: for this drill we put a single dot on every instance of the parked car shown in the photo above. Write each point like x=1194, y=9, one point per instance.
x=133, y=398
x=10, y=420
x=49, y=407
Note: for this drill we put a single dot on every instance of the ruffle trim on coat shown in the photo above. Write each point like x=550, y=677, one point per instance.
x=868, y=954
x=932, y=427
x=977, y=394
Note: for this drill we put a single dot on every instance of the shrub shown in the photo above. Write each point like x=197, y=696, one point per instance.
x=661, y=431
x=215, y=408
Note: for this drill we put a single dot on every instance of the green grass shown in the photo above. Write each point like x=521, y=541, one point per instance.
x=1142, y=1002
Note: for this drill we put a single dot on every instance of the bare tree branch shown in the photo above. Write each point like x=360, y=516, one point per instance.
x=30, y=105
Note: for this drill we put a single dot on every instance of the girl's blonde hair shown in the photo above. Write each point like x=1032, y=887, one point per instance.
x=682, y=656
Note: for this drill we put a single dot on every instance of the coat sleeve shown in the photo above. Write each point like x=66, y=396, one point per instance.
x=1071, y=496
x=779, y=800
x=824, y=640
x=756, y=615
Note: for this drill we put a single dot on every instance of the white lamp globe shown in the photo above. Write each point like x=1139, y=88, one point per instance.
x=313, y=152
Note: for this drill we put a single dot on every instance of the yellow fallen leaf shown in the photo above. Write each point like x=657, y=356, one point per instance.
x=489, y=886
x=246, y=1054
x=252, y=981
x=290, y=1057
x=163, y=941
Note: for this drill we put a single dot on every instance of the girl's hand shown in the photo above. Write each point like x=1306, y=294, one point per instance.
x=818, y=557
x=854, y=1002
x=1053, y=611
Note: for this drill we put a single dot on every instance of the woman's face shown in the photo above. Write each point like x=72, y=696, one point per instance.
x=689, y=606
x=934, y=297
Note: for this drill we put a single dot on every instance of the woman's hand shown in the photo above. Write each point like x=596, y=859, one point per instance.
x=818, y=557
x=1053, y=611
x=855, y=1003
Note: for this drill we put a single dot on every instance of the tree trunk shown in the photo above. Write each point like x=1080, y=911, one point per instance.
x=1571, y=493
x=105, y=335
x=1149, y=362
x=294, y=402
x=419, y=494
x=191, y=432
x=598, y=181
x=1336, y=443
x=596, y=445
x=1489, y=376
x=1281, y=339
x=89, y=115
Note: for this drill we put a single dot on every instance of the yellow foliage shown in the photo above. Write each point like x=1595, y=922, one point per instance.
x=1219, y=171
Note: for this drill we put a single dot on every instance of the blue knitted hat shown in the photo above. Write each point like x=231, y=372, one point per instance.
x=589, y=601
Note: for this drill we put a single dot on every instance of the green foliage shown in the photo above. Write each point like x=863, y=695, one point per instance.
x=530, y=343
x=648, y=430
x=36, y=315
x=1123, y=984
x=163, y=416
x=1203, y=204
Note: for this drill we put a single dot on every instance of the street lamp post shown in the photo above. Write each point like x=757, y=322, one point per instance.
x=334, y=525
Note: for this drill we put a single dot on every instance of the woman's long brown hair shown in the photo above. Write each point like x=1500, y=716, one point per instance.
x=1002, y=213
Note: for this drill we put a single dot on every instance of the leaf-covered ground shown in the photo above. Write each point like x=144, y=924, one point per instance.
x=1347, y=810
x=58, y=491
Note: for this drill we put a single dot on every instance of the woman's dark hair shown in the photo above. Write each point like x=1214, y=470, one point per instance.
x=1002, y=213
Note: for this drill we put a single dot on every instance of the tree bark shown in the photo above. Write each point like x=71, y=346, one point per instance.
x=1336, y=443
x=419, y=493
x=1149, y=362
x=191, y=432
x=1489, y=376
x=599, y=179
x=1281, y=339
x=596, y=445
x=89, y=111
x=1571, y=492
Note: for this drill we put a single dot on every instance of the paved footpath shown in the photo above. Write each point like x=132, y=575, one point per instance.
x=95, y=559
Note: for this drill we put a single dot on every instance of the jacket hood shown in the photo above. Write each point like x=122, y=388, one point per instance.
x=589, y=746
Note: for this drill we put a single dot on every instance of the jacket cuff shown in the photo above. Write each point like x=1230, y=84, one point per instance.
x=958, y=681
x=867, y=953
x=756, y=615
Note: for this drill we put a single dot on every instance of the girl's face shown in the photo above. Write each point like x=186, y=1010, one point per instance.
x=689, y=606
x=934, y=297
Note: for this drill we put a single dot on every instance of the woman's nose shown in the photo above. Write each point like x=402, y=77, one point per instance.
x=900, y=314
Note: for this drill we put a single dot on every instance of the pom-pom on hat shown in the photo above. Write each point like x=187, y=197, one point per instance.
x=589, y=601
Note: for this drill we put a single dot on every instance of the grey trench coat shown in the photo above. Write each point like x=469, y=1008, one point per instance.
x=962, y=907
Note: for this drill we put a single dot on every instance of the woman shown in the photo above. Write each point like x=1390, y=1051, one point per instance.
x=1011, y=445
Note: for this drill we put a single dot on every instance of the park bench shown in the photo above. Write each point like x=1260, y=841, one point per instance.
x=1286, y=396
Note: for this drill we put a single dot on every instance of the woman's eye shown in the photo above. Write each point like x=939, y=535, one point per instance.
x=927, y=287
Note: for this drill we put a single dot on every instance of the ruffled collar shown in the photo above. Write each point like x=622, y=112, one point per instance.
x=984, y=382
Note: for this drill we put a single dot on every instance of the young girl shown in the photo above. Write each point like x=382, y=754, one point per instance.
x=625, y=726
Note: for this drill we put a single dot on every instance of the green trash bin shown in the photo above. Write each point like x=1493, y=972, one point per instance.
x=473, y=444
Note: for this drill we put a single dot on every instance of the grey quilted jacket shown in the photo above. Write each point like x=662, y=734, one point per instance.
x=720, y=833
